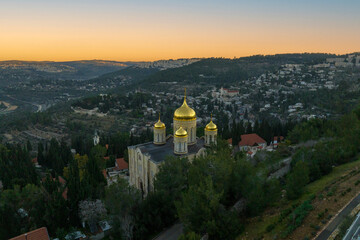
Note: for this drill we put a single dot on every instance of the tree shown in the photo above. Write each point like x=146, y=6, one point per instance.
x=98, y=152
x=91, y=211
x=16, y=167
x=75, y=192
x=50, y=210
x=297, y=180
x=56, y=213
x=248, y=128
x=58, y=156
x=198, y=208
x=120, y=199
x=40, y=156
x=94, y=181
x=10, y=220
x=28, y=146
x=216, y=164
x=172, y=177
x=157, y=210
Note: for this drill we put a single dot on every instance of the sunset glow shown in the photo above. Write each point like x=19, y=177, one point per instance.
x=140, y=30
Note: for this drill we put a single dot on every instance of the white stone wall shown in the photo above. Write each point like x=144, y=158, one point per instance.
x=210, y=137
x=142, y=171
x=180, y=145
x=190, y=127
x=159, y=136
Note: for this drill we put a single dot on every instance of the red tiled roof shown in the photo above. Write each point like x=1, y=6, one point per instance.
x=229, y=141
x=34, y=160
x=249, y=152
x=121, y=164
x=38, y=234
x=251, y=140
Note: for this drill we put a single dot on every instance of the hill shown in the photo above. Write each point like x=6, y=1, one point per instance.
x=25, y=71
x=224, y=72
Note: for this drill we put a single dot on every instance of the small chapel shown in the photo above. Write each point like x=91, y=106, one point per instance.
x=145, y=159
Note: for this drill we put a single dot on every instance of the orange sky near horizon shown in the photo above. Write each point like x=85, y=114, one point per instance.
x=64, y=32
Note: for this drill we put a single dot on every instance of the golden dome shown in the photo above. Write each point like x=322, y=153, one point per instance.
x=181, y=132
x=184, y=112
x=211, y=126
x=159, y=124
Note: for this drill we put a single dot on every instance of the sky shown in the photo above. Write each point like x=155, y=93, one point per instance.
x=144, y=30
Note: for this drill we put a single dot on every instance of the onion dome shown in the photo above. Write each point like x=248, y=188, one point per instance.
x=184, y=112
x=159, y=124
x=211, y=126
x=181, y=132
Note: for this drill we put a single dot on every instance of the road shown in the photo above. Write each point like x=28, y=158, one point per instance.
x=282, y=171
x=330, y=228
x=38, y=106
x=172, y=233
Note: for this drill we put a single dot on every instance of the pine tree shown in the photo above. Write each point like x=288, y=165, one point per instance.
x=40, y=156
x=75, y=192
x=28, y=146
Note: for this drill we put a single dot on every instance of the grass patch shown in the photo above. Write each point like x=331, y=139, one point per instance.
x=275, y=224
x=320, y=184
x=297, y=216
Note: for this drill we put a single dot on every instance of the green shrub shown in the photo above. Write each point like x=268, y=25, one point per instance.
x=296, y=218
x=312, y=197
x=284, y=213
x=270, y=227
x=316, y=227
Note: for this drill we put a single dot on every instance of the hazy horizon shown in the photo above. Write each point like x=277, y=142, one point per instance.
x=119, y=60
x=139, y=30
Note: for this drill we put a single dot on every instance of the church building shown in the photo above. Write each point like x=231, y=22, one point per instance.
x=145, y=159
